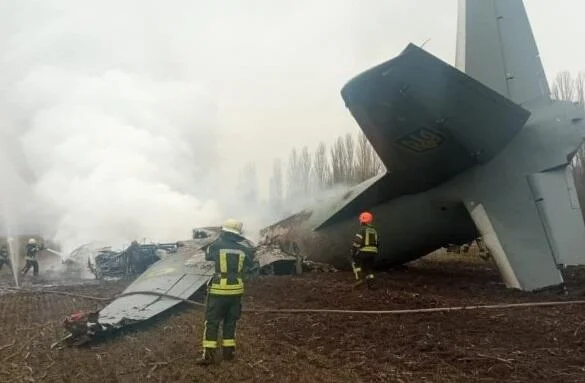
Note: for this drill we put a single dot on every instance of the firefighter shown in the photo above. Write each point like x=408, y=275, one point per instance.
x=365, y=249
x=233, y=256
x=31, y=251
x=4, y=257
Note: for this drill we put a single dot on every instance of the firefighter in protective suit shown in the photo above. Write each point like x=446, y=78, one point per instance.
x=364, y=250
x=4, y=257
x=31, y=251
x=233, y=256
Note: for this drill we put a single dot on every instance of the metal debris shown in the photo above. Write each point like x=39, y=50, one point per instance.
x=272, y=260
x=131, y=261
x=180, y=274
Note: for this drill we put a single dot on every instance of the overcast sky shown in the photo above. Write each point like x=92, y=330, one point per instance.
x=105, y=101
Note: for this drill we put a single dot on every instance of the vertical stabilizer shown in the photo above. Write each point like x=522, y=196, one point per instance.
x=495, y=45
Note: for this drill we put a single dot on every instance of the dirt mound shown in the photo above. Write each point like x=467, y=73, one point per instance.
x=513, y=345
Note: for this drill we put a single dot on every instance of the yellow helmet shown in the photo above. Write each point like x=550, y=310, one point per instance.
x=232, y=225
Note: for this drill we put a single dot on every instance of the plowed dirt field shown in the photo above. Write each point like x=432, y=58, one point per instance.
x=534, y=344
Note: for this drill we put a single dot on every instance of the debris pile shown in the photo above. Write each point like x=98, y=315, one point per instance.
x=278, y=253
x=179, y=275
x=273, y=261
x=321, y=267
x=482, y=249
x=131, y=261
x=82, y=327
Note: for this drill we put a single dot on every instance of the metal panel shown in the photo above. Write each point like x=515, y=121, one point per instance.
x=178, y=275
x=267, y=255
x=517, y=239
x=496, y=46
x=560, y=215
x=490, y=238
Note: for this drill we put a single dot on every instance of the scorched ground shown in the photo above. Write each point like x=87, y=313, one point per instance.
x=512, y=345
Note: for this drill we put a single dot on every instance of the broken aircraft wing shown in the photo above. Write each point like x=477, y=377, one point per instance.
x=180, y=275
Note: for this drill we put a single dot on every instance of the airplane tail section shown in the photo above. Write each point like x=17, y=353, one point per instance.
x=428, y=122
x=495, y=46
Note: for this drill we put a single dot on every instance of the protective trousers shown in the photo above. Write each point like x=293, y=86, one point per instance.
x=4, y=261
x=365, y=264
x=34, y=264
x=226, y=308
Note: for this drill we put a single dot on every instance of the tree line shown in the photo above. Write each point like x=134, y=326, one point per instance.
x=569, y=88
x=349, y=160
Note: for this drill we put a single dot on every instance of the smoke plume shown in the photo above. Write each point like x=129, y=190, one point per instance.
x=98, y=141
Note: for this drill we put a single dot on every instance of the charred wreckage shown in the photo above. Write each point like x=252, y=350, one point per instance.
x=169, y=274
x=132, y=261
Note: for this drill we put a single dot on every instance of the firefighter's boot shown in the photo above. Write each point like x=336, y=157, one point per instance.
x=208, y=357
x=370, y=282
x=229, y=353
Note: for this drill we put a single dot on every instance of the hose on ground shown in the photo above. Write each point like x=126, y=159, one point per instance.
x=74, y=295
x=318, y=311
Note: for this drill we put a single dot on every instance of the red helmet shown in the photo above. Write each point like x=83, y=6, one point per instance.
x=366, y=217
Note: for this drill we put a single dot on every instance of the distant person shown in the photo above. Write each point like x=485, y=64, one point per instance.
x=132, y=254
x=31, y=251
x=5, y=257
x=233, y=256
x=364, y=250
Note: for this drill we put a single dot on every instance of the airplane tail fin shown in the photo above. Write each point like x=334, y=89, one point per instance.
x=495, y=45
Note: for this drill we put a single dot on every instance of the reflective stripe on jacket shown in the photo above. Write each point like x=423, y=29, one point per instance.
x=232, y=255
x=31, y=252
x=366, y=240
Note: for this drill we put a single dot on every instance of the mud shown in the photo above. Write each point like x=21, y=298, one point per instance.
x=544, y=344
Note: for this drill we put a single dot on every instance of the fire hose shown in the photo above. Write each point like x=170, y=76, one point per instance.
x=318, y=311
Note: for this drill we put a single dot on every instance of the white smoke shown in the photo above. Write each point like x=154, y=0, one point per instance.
x=116, y=149
x=114, y=155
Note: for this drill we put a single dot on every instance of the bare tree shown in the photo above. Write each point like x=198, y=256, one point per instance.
x=377, y=167
x=305, y=170
x=580, y=89
x=367, y=162
x=321, y=170
x=349, y=167
x=275, y=186
x=364, y=160
x=338, y=161
x=294, y=177
x=563, y=87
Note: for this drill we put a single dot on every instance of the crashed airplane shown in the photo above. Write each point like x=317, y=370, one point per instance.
x=477, y=151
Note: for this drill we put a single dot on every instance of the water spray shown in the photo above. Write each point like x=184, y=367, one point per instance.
x=56, y=253
x=13, y=245
x=13, y=254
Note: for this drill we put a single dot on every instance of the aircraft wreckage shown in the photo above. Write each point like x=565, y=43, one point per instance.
x=480, y=150
x=103, y=262
x=179, y=274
